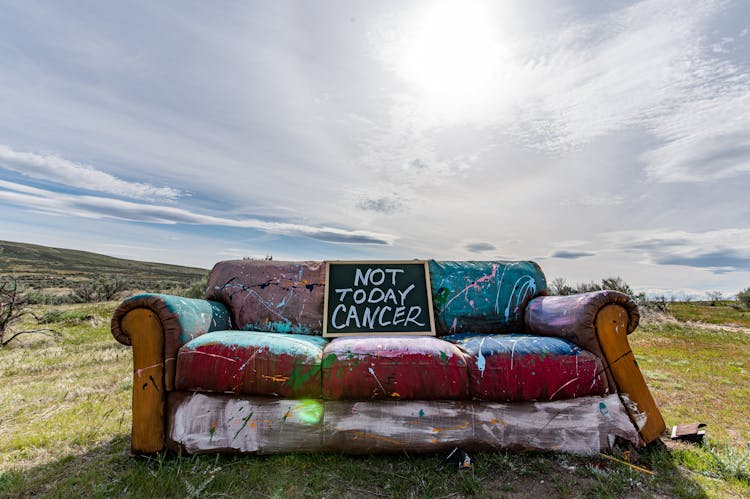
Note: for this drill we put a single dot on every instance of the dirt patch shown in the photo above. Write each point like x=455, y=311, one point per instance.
x=734, y=328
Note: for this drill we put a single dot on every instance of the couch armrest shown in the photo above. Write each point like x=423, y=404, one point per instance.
x=573, y=317
x=600, y=322
x=156, y=326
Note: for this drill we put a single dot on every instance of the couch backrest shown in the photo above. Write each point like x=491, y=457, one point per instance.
x=483, y=297
x=287, y=297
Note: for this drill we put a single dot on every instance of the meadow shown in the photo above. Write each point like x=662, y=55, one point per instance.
x=65, y=423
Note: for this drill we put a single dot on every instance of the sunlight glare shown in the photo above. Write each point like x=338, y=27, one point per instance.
x=452, y=53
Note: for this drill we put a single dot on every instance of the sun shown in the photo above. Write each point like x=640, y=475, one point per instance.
x=452, y=52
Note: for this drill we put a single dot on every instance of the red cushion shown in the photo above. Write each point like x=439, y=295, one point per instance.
x=251, y=363
x=515, y=367
x=395, y=367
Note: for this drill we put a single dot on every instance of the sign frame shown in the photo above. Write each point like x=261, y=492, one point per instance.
x=381, y=263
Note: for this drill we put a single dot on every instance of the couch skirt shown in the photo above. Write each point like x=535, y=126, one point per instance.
x=206, y=423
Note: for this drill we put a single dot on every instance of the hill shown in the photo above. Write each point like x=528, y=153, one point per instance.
x=41, y=267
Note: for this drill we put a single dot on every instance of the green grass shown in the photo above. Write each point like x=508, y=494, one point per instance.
x=65, y=423
x=724, y=312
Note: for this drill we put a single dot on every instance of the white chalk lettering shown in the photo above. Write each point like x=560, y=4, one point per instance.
x=343, y=292
x=358, y=277
x=362, y=294
x=393, y=273
x=414, y=313
x=404, y=293
x=380, y=318
x=374, y=280
x=369, y=316
x=339, y=308
x=398, y=316
x=352, y=315
x=376, y=299
x=390, y=295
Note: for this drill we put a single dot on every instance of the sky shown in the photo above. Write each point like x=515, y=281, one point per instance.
x=597, y=138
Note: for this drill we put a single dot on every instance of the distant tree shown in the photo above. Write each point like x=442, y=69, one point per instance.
x=559, y=286
x=617, y=284
x=266, y=258
x=14, y=305
x=714, y=297
x=744, y=297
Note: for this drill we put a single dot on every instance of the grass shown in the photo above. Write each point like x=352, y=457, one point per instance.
x=65, y=422
x=55, y=271
x=724, y=312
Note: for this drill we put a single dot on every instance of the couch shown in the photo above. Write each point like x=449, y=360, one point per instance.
x=246, y=369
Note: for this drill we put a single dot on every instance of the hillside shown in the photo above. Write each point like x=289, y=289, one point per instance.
x=45, y=267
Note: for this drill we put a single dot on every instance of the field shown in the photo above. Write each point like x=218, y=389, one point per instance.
x=58, y=271
x=65, y=422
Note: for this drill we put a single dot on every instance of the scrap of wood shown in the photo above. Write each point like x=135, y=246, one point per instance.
x=690, y=432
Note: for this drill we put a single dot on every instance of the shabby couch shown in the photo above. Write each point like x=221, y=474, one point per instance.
x=247, y=370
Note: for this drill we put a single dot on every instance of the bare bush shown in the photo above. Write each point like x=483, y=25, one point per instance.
x=715, y=297
x=559, y=286
x=14, y=305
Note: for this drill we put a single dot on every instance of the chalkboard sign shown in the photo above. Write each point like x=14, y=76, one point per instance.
x=383, y=297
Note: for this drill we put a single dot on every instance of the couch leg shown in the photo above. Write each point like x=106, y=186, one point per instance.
x=149, y=395
x=611, y=329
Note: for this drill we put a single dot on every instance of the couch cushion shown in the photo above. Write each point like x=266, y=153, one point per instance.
x=483, y=297
x=396, y=367
x=252, y=363
x=517, y=367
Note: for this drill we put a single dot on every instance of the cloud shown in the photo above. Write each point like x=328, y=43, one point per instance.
x=719, y=260
x=558, y=90
x=694, y=100
x=570, y=255
x=479, y=247
x=99, y=207
x=381, y=204
x=719, y=251
x=594, y=200
x=55, y=169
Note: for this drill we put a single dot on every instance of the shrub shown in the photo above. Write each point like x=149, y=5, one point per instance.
x=559, y=286
x=102, y=289
x=744, y=297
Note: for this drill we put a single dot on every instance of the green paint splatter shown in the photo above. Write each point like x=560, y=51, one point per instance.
x=302, y=375
x=328, y=361
x=443, y=358
x=439, y=298
x=245, y=420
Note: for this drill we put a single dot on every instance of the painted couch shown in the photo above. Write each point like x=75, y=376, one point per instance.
x=246, y=369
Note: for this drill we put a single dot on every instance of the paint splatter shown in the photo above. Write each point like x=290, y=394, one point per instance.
x=481, y=361
x=244, y=424
x=212, y=431
x=603, y=410
x=372, y=372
